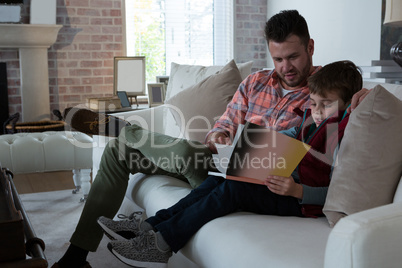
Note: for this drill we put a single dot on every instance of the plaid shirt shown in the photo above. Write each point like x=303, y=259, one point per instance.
x=257, y=101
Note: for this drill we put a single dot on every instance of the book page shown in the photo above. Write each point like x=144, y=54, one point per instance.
x=261, y=152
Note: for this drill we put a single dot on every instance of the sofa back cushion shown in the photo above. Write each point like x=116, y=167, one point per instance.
x=198, y=107
x=370, y=157
x=183, y=77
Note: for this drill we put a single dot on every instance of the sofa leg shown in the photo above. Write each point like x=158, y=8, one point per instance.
x=77, y=180
x=82, y=180
x=85, y=183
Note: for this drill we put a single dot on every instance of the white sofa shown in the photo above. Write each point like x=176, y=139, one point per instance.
x=370, y=238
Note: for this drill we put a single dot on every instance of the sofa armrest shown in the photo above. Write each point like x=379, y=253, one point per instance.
x=151, y=118
x=370, y=238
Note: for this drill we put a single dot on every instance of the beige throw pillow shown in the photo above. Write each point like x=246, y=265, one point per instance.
x=183, y=76
x=196, y=108
x=370, y=157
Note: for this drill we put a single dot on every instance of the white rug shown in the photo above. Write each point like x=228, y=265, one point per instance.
x=54, y=216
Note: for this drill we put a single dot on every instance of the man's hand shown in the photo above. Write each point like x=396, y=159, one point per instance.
x=284, y=186
x=357, y=99
x=214, y=138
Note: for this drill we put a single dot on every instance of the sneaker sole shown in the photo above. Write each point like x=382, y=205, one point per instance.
x=134, y=263
x=109, y=233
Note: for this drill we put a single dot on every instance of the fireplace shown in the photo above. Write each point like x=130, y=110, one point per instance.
x=33, y=41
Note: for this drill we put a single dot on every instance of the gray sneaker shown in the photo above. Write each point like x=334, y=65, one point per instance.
x=127, y=228
x=141, y=251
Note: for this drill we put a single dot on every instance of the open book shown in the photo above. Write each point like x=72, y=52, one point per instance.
x=256, y=153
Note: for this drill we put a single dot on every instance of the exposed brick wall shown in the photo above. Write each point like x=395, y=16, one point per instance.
x=250, y=44
x=81, y=60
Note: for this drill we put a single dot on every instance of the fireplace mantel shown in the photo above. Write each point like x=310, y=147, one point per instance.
x=28, y=35
x=32, y=40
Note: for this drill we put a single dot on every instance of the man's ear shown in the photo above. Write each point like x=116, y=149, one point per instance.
x=310, y=47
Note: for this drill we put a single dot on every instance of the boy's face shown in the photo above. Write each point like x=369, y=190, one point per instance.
x=292, y=60
x=323, y=107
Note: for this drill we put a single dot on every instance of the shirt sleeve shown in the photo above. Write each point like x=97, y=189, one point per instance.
x=291, y=132
x=234, y=115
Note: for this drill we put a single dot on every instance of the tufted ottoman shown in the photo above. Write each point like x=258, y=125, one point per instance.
x=49, y=151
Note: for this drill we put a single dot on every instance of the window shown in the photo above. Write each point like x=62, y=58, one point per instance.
x=180, y=31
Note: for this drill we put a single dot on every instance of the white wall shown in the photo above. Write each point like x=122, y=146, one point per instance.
x=341, y=29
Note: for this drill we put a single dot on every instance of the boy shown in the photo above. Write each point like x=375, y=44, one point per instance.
x=302, y=194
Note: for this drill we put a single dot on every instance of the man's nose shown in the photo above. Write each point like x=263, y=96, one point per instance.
x=287, y=66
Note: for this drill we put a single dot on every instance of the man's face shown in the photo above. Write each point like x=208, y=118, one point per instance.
x=293, y=62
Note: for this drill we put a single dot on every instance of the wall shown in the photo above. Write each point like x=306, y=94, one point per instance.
x=341, y=29
x=250, y=44
x=81, y=60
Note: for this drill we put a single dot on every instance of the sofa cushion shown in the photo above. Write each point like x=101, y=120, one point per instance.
x=398, y=193
x=183, y=76
x=370, y=157
x=198, y=107
x=268, y=239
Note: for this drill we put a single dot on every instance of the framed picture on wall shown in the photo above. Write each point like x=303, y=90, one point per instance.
x=156, y=94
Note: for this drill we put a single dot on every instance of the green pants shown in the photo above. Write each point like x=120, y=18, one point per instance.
x=136, y=150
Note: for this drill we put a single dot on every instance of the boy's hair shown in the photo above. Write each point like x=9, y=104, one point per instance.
x=285, y=23
x=342, y=77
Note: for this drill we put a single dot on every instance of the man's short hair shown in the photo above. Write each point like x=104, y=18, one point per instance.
x=285, y=23
x=341, y=77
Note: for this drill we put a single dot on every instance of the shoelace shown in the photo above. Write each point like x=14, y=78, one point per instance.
x=136, y=216
x=144, y=240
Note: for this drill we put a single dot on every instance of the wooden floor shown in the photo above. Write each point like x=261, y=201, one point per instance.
x=44, y=182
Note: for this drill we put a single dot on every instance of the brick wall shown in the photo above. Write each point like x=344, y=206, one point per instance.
x=81, y=60
x=250, y=44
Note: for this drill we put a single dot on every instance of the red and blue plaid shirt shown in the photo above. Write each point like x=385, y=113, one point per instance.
x=258, y=100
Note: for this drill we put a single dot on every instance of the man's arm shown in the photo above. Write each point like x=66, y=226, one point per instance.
x=225, y=128
x=214, y=138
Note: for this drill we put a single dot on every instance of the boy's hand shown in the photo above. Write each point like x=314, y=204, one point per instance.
x=219, y=138
x=284, y=186
x=357, y=99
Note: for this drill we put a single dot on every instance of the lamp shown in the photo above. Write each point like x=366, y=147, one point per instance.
x=393, y=17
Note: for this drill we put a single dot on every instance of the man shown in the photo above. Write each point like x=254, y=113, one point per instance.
x=265, y=98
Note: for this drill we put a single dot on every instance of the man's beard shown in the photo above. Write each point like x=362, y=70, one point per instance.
x=302, y=76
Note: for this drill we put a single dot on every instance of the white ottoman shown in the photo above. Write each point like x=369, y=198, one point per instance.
x=49, y=151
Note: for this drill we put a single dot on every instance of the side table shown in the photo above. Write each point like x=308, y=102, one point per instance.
x=34, y=246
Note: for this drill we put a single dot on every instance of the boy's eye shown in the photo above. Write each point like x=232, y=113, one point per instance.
x=329, y=105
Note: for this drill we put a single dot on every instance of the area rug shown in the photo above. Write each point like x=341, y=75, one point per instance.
x=54, y=216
